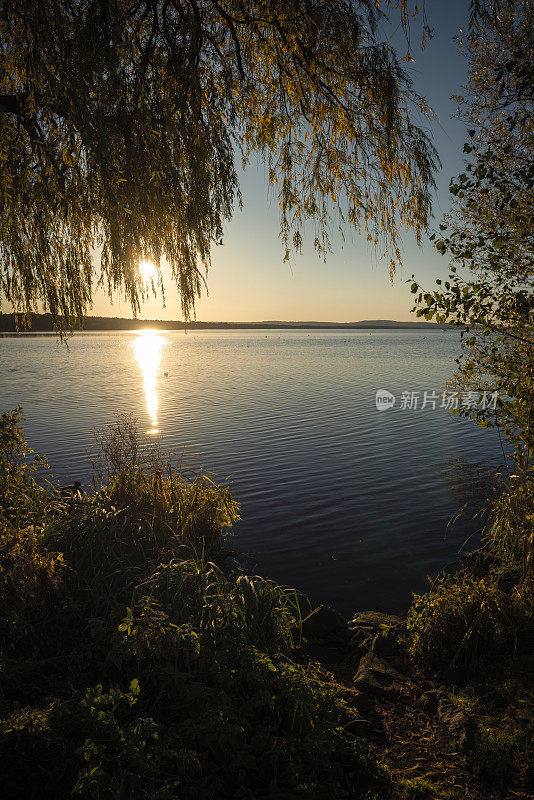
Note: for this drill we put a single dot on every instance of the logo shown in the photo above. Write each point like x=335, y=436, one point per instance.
x=384, y=400
x=466, y=403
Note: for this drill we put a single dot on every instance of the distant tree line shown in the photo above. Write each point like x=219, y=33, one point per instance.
x=42, y=323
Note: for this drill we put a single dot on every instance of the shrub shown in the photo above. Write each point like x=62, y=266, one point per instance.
x=22, y=499
x=493, y=756
x=503, y=754
x=30, y=576
x=511, y=535
x=469, y=617
x=146, y=673
x=207, y=713
x=175, y=506
x=464, y=620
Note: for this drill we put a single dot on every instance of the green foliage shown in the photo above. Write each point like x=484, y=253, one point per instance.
x=470, y=616
x=511, y=535
x=490, y=234
x=30, y=576
x=417, y=789
x=130, y=669
x=503, y=752
x=119, y=126
x=18, y=462
x=463, y=619
x=139, y=485
x=494, y=755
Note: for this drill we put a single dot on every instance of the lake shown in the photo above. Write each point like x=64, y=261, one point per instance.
x=347, y=503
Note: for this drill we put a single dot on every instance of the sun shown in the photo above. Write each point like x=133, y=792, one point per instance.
x=147, y=270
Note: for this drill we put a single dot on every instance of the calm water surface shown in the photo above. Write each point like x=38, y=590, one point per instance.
x=346, y=503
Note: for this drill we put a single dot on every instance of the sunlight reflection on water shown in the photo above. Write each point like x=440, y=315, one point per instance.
x=148, y=347
x=347, y=504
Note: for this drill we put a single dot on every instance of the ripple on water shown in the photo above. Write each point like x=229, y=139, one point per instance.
x=341, y=501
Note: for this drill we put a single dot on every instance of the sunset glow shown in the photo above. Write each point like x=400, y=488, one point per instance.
x=148, y=271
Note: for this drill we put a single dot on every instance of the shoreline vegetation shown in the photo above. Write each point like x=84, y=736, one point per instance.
x=37, y=323
x=137, y=660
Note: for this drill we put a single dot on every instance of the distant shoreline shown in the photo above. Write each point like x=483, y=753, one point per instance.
x=42, y=323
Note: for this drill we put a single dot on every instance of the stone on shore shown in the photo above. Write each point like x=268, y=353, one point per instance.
x=367, y=624
x=327, y=625
x=376, y=677
x=457, y=726
x=355, y=699
x=386, y=645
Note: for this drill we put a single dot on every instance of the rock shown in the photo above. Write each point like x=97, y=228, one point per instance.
x=367, y=624
x=326, y=654
x=386, y=645
x=374, y=620
x=358, y=700
x=325, y=624
x=71, y=489
x=359, y=726
x=377, y=678
x=457, y=726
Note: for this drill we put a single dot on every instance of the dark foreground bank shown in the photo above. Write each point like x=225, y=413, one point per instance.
x=137, y=663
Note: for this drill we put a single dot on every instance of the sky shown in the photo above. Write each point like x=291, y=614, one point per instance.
x=248, y=280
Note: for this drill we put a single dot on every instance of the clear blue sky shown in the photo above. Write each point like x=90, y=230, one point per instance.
x=248, y=280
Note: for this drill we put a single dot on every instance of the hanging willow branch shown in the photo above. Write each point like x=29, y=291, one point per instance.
x=120, y=123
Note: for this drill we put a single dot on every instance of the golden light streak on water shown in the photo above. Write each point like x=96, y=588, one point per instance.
x=148, y=347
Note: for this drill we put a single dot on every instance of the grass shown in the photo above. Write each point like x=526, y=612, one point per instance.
x=475, y=628
x=503, y=755
x=417, y=789
x=133, y=664
x=466, y=620
x=484, y=610
x=511, y=535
